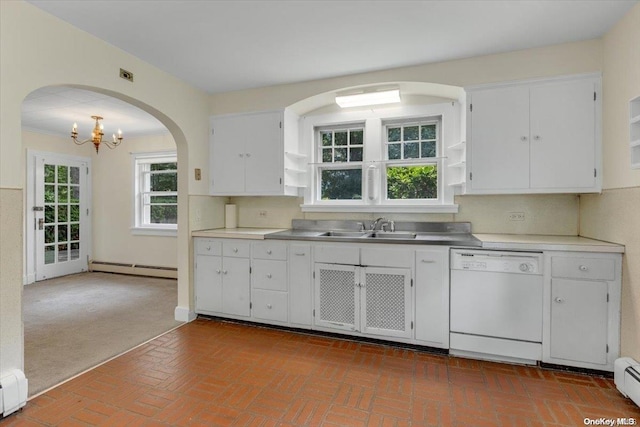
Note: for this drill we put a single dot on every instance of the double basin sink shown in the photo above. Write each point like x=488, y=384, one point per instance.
x=426, y=233
x=370, y=234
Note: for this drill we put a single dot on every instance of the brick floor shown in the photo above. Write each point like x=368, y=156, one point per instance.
x=212, y=373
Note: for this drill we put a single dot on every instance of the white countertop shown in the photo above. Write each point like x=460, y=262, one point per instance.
x=532, y=242
x=236, y=233
x=546, y=243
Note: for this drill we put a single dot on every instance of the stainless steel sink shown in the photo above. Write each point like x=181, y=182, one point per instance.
x=391, y=235
x=343, y=234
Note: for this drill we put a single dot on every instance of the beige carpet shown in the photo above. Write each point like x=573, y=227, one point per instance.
x=75, y=322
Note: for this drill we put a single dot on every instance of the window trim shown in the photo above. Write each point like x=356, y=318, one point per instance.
x=139, y=227
x=374, y=155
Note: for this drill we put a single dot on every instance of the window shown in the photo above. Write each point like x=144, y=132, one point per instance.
x=412, y=165
x=340, y=173
x=156, y=193
x=387, y=160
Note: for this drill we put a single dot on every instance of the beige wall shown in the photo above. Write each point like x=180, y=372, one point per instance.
x=615, y=214
x=113, y=207
x=553, y=214
x=35, y=51
x=621, y=83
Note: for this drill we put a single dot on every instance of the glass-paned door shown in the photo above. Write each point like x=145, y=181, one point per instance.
x=61, y=213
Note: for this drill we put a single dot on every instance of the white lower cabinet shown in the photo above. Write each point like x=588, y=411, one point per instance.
x=583, y=307
x=300, y=286
x=269, y=284
x=432, y=296
x=370, y=300
x=222, y=279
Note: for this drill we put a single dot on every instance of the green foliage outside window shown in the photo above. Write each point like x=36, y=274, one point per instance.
x=412, y=182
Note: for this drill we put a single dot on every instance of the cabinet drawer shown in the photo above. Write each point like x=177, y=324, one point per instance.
x=270, y=250
x=387, y=257
x=236, y=248
x=268, y=274
x=583, y=268
x=348, y=255
x=208, y=247
x=269, y=305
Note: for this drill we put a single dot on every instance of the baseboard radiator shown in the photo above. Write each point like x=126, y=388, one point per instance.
x=13, y=391
x=626, y=373
x=134, y=269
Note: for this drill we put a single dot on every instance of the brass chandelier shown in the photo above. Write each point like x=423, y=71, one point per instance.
x=96, y=135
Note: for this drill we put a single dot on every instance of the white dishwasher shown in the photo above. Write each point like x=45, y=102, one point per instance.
x=496, y=305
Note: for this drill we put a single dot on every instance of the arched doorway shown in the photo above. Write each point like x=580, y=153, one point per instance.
x=69, y=326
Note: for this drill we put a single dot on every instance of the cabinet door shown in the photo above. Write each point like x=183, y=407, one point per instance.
x=432, y=296
x=579, y=320
x=337, y=297
x=227, y=155
x=563, y=144
x=300, y=284
x=386, y=301
x=208, y=283
x=264, y=153
x=500, y=139
x=236, y=286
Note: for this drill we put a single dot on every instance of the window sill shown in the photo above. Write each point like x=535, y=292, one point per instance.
x=152, y=231
x=382, y=208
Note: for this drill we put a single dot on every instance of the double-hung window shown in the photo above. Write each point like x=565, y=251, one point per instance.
x=411, y=154
x=340, y=149
x=155, y=192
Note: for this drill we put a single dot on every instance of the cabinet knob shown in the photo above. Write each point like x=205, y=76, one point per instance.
x=536, y=137
x=559, y=300
x=269, y=306
x=224, y=271
x=269, y=276
x=248, y=154
x=235, y=250
x=269, y=251
x=427, y=261
x=299, y=253
x=241, y=155
x=208, y=248
x=217, y=271
x=523, y=138
x=583, y=268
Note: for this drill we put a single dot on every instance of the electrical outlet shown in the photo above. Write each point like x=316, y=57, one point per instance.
x=516, y=216
x=198, y=174
x=262, y=213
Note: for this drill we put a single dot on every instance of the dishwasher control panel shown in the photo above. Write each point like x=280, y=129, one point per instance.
x=496, y=261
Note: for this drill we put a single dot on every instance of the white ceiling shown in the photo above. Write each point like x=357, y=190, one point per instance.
x=54, y=109
x=221, y=46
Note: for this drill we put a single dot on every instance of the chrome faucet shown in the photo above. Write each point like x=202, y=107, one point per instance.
x=383, y=221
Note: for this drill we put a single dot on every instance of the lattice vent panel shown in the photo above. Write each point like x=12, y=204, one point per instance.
x=337, y=296
x=385, y=301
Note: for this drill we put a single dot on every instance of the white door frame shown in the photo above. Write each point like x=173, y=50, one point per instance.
x=30, y=216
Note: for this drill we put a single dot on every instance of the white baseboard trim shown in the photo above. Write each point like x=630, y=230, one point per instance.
x=183, y=314
x=28, y=279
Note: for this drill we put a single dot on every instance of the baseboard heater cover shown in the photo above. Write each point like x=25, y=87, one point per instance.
x=13, y=391
x=133, y=269
x=626, y=374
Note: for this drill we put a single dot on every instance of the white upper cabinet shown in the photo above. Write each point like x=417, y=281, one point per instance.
x=541, y=136
x=250, y=154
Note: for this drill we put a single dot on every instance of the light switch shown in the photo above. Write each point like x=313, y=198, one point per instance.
x=198, y=174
